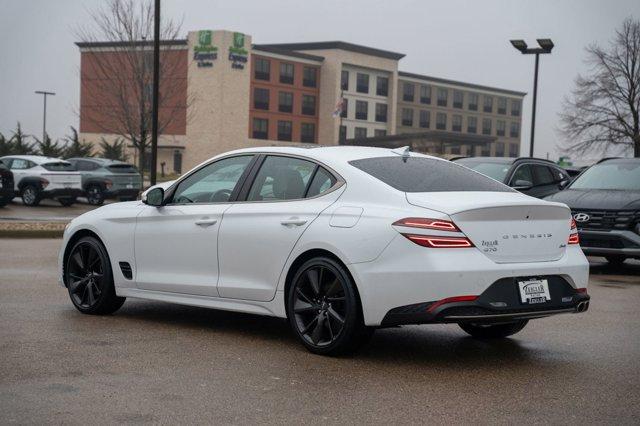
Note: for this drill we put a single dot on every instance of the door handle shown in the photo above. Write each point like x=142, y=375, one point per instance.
x=206, y=222
x=294, y=221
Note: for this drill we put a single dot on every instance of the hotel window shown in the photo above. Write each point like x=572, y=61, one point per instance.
x=263, y=69
x=285, y=102
x=488, y=104
x=473, y=101
x=407, y=117
x=407, y=92
x=499, y=149
x=425, y=94
x=308, y=132
x=458, y=99
x=309, y=77
x=360, y=132
x=284, y=130
x=286, y=73
x=261, y=98
x=379, y=132
x=344, y=80
x=343, y=133
x=361, y=110
x=441, y=121
x=515, y=108
x=425, y=119
x=472, y=124
x=502, y=105
x=456, y=123
x=514, y=131
x=345, y=108
x=442, y=97
x=260, y=128
x=486, y=151
x=381, y=113
x=308, y=105
x=455, y=150
x=362, y=83
x=486, y=126
x=500, y=128
x=513, y=150
x=382, y=86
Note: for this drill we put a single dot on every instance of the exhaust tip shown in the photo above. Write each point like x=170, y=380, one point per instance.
x=582, y=307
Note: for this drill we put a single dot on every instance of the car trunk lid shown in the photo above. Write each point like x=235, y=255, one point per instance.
x=507, y=227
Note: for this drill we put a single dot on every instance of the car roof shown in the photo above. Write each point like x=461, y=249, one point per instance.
x=38, y=159
x=618, y=160
x=103, y=161
x=499, y=160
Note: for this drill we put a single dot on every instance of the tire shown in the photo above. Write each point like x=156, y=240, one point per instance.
x=95, y=195
x=616, y=260
x=492, y=331
x=30, y=195
x=66, y=202
x=324, y=309
x=89, y=279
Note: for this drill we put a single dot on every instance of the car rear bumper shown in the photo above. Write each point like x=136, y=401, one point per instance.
x=405, y=274
x=499, y=303
x=606, y=243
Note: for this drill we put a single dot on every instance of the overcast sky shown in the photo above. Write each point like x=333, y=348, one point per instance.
x=461, y=40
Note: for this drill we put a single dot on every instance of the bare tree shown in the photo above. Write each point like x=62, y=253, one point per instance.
x=119, y=77
x=602, y=112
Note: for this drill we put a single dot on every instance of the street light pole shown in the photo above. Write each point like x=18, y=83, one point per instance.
x=156, y=83
x=44, y=113
x=546, y=45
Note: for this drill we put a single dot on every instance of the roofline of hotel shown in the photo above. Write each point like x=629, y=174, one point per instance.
x=271, y=49
x=137, y=43
x=459, y=83
x=326, y=45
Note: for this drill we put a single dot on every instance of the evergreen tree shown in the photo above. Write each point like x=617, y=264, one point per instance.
x=76, y=147
x=49, y=148
x=114, y=151
x=19, y=143
x=6, y=147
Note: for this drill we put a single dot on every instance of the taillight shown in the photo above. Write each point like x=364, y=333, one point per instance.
x=424, y=223
x=433, y=241
x=451, y=300
x=44, y=182
x=108, y=184
x=574, y=238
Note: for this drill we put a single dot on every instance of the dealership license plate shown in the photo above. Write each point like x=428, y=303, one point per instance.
x=67, y=185
x=129, y=185
x=534, y=291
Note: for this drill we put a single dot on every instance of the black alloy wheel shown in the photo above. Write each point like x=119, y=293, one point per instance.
x=95, y=195
x=324, y=310
x=89, y=279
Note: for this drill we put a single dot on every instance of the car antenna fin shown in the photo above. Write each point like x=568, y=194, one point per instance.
x=404, y=151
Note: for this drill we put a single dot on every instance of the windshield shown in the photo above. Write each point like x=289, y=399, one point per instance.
x=497, y=171
x=610, y=175
x=59, y=167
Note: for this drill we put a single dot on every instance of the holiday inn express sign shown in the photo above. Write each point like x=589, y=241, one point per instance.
x=204, y=53
x=237, y=53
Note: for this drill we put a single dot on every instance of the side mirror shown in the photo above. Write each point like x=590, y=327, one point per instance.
x=522, y=185
x=154, y=197
x=563, y=184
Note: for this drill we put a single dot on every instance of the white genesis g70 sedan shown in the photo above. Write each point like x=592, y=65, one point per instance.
x=338, y=240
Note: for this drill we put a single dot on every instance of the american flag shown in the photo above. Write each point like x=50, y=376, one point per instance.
x=338, y=110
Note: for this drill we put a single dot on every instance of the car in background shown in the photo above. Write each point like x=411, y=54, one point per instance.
x=605, y=203
x=103, y=178
x=532, y=176
x=37, y=177
x=6, y=185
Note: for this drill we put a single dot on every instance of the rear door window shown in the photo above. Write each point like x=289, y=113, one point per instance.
x=422, y=174
x=59, y=166
x=281, y=178
x=321, y=183
x=523, y=172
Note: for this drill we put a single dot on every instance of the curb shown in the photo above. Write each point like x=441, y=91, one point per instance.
x=31, y=233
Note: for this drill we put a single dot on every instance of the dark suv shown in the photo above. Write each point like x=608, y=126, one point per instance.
x=532, y=176
x=605, y=203
x=6, y=185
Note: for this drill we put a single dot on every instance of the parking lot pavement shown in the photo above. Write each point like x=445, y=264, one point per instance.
x=159, y=363
x=48, y=210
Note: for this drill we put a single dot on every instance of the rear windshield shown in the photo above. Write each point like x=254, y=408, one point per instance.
x=59, y=167
x=493, y=169
x=420, y=174
x=123, y=168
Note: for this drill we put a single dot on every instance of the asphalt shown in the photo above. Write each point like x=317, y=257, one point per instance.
x=160, y=363
x=47, y=210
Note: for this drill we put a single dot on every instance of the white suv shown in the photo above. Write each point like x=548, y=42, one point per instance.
x=36, y=177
